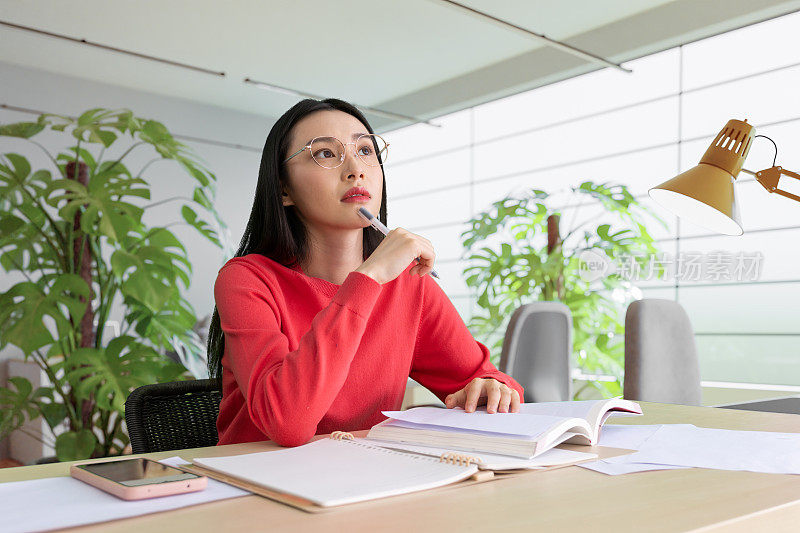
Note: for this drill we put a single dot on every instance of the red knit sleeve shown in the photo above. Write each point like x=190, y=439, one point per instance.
x=289, y=392
x=446, y=356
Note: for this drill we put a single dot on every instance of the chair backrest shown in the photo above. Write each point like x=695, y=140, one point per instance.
x=173, y=416
x=660, y=355
x=537, y=350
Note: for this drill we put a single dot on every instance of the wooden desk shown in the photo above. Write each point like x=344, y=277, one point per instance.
x=567, y=499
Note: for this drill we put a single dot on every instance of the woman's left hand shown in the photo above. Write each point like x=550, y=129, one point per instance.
x=498, y=397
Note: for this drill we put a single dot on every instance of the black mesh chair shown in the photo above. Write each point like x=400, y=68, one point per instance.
x=173, y=416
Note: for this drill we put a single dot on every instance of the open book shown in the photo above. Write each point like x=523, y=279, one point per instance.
x=537, y=428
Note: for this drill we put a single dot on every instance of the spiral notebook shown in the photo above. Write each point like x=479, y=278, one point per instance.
x=336, y=471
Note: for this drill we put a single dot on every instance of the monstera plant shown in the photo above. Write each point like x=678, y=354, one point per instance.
x=517, y=254
x=74, y=234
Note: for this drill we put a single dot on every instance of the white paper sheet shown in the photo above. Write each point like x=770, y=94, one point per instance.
x=635, y=439
x=60, y=502
x=630, y=437
x=723, y=449
x=614, y=469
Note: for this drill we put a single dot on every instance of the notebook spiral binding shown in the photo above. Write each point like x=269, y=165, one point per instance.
x=453, y=458
x=460, y=459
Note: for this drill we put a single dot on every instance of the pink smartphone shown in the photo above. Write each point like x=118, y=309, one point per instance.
x=137, y=479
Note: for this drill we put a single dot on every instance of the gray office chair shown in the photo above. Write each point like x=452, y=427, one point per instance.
x=660, y=355
x=536, y=351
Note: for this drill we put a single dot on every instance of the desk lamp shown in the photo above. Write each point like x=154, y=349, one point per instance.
x=704, y=194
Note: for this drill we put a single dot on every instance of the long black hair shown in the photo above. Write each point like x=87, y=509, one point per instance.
x=276, y=231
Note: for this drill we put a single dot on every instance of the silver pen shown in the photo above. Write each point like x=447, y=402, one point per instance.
x=378, y=225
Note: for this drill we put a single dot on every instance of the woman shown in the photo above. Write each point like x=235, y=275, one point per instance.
x=320, y=319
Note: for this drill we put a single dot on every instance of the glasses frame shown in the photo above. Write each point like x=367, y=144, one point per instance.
x=344, y=152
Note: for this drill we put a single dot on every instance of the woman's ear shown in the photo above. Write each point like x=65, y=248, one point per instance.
x=287, y=200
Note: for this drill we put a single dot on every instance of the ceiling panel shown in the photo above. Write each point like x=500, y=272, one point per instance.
x=422, y=58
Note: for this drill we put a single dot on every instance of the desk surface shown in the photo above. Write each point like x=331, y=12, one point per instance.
x=567, y=499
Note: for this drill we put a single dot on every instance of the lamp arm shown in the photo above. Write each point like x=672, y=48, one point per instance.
x=769, y=177
x=791, y=174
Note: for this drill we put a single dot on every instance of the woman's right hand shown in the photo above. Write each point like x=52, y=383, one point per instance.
x=399, y=248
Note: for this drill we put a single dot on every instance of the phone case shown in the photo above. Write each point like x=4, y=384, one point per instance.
x=141, y=492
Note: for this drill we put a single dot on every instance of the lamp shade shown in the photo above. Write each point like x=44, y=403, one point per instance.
x=704, y=194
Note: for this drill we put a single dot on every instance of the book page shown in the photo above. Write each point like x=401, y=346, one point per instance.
x=596, y=412
x=522, y=425
x=331, y=472
x=577, y=409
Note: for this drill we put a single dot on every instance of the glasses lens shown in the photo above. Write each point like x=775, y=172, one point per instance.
x=372, y=150
x=327, y=151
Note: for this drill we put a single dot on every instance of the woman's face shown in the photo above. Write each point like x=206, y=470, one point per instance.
x=317, y=192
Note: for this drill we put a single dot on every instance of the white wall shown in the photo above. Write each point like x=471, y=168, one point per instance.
x=236, y=168
x=637, y=129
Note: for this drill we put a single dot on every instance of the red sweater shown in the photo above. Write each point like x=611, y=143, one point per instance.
x=305, y=356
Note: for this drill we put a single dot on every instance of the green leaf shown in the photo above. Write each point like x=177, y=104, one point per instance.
x=10, y=225
x=96, y=125
x=162, y=327
x=157, y=135
x=16, y=405
x=201, y=197
x=13, y=179
x=75, y=445
x=24, y=387
x=202, y=176
x=25, y=130
x=200, y=225
x=109, y=374
x=26, y=304
x=22, y=245
x=103, y=213
x=147, y=275
x=155, y=131
x=163, y=238
x=83, y=155
x=53, y=413
x=90, y=116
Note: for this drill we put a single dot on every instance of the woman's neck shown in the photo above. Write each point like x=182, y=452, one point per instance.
x=334, y=255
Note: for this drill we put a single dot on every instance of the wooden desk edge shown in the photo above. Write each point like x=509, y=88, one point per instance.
x=781, y=514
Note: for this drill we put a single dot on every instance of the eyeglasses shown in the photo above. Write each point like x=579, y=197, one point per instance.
x=329, y=152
